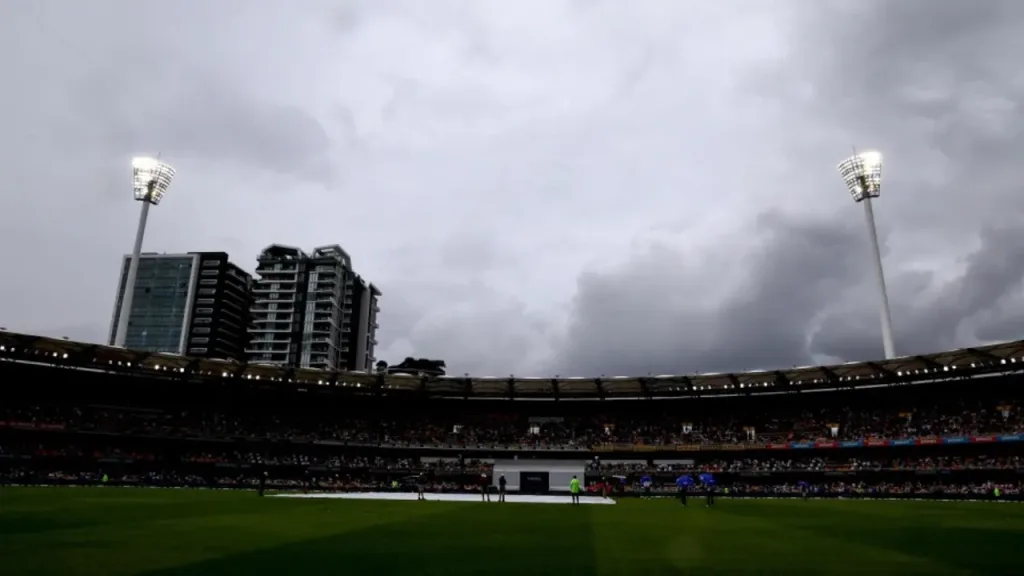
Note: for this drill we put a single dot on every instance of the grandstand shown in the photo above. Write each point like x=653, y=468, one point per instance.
x=944, y=426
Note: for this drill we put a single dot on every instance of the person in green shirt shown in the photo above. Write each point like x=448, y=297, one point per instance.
x=574, y=488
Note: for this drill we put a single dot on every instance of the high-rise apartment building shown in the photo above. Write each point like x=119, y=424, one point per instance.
x=312, y=310
x=193, y=304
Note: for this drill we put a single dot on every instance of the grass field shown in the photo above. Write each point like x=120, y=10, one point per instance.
x=117, y=531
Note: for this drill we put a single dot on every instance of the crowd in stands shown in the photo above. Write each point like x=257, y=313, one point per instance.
x=833, y=463
x=342, y=483
x=817, y=464
x=522, y=432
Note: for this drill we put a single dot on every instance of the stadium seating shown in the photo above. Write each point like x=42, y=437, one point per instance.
x=62, y=423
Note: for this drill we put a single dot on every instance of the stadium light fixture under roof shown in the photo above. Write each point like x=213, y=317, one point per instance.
x=151, y=178
x=862, y=174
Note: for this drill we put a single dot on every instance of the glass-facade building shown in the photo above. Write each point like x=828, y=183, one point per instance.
x=192, y=304
x=160, y=308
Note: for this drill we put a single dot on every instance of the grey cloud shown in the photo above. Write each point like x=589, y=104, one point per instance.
x=963, y=312
x=647, y=317
x=188, y=114
x=475, y=328
x=474, y=176
x=923, y=82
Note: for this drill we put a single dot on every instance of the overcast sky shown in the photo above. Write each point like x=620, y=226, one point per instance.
x=540, y=186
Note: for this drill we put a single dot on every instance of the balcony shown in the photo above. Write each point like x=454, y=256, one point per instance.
x=279, y=318
x=269, y=330
x=264, y=310
x=261, y=290
x=289, y=300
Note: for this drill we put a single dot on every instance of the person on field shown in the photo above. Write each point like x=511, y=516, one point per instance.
x=421, y=485
x=683, y=484
x=646, y=482
x=574, y=489
x=708, y=480
x=501, y=488
x=485, y=492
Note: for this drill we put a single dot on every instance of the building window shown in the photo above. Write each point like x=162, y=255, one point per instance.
x=208, y=282
x=197, y=350
x=207, y=291
x=203, y=320
x=200, y=340
x=204, y=310
x=211, y=263
x=209, y=272
x=205, y=301
x=200, y=330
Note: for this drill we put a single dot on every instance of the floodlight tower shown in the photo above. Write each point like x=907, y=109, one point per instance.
x=862, y=173
x=150, y=180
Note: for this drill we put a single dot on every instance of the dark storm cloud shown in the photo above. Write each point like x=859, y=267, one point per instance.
x=969, y=308
x=934, y=84
x=483, y=173
x=947, y=68
x=647, y=317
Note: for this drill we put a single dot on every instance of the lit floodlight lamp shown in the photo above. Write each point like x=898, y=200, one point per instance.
x=150, y=179
x=862, y=174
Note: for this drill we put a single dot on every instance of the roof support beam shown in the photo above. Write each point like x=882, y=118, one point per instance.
x=985, y=355
x=84, y=355
x=191, y=368
x=888, y=373
x=781, y=380
x=932, y=364
x=645, y=386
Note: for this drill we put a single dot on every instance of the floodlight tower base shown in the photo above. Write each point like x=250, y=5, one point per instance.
x=129, y=281
x=876, y=252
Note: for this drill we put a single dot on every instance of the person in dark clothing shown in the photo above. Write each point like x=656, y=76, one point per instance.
x=501, y=488
x=263, y=483
x=485, y=492
x=421, y=485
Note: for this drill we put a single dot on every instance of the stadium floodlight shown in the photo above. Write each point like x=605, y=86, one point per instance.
x=862, y=174
x=151, y=179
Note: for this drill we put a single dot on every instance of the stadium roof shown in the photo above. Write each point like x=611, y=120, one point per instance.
x=953, y=364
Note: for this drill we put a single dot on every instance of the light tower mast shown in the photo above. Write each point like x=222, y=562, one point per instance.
x=150, y=180
x=862, y=174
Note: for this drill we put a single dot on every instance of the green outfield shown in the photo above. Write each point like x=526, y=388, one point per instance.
x=117, y=531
